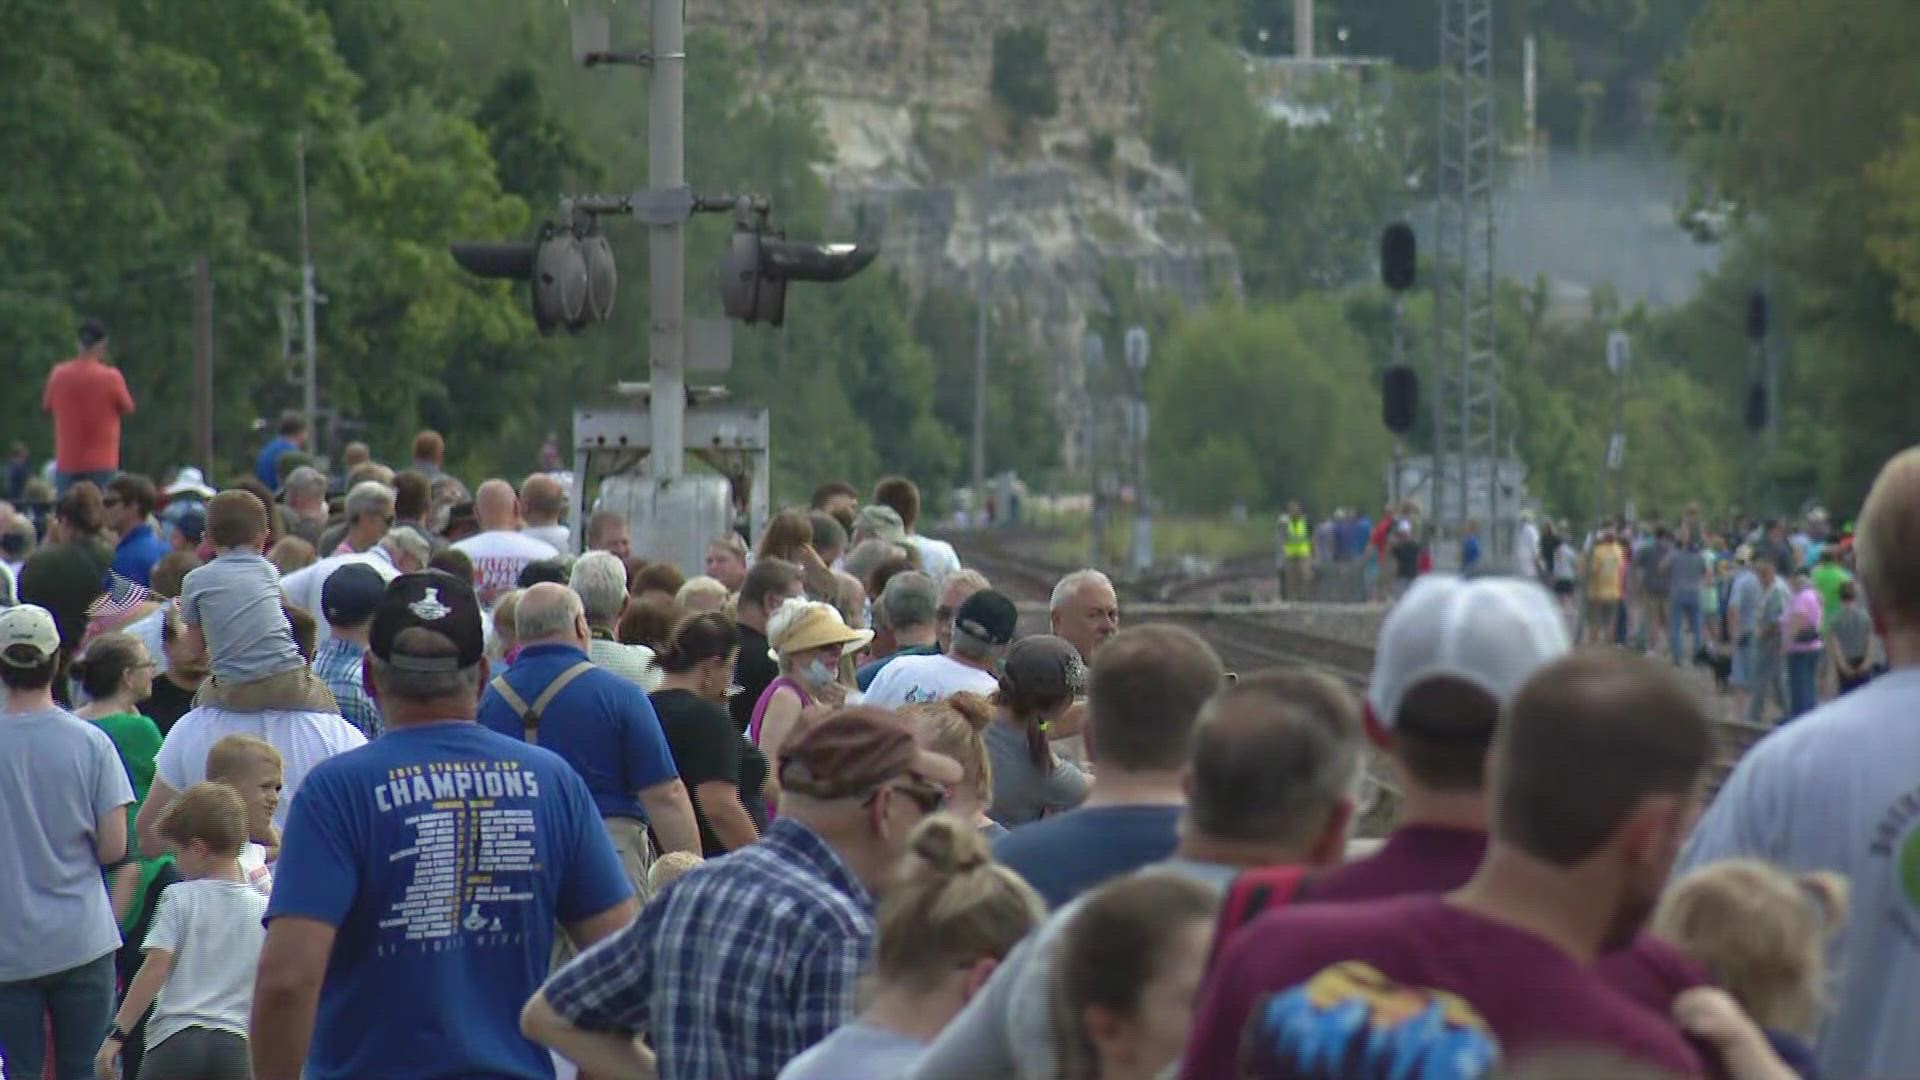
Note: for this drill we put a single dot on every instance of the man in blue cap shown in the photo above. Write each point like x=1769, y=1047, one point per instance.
x=347, y=601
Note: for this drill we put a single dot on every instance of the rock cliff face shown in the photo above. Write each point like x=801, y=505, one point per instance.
x=941, y=51
x=903, y=87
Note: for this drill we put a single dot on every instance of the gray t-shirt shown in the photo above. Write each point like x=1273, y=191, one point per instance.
x=856, y=1049
x=59, y=778
x=1852, y=630
x=1023, y=792
x=1838, y=790
x=1744, y=601
x=235, y=601
x=1686, y=570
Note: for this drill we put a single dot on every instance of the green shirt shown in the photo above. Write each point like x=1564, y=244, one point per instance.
x=137, y=739
x=1827, y=578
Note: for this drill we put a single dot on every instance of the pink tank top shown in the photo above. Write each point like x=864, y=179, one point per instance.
x=760, y=712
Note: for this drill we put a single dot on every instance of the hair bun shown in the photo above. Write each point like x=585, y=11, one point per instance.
x=950, y=847
x=1829, y=893
x=974, y=708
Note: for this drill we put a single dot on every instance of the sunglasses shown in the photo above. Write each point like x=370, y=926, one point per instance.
x=925, y=794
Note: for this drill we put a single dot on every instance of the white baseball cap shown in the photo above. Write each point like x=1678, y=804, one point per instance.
x=1490, y=632
x=25, y=627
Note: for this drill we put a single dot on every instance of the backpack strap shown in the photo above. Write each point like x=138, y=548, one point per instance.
x=1251, y=893
x=530, y=714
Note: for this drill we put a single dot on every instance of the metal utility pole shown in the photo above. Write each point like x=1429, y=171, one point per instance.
x=309, y=395
x=1093, y=364
x=1466, y=369
x=667, y=243
x=1141, y=557
x=982, y=287
x=202, y=364
x=1619, y=349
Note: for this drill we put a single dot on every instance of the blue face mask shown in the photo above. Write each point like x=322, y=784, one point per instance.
x=817, y=673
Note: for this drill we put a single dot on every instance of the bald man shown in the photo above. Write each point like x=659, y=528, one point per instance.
x=603, y=726
x=542, y=501
x=500, y=550
x=1835, y=790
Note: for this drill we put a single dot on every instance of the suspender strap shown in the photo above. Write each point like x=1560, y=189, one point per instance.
x=530, y=714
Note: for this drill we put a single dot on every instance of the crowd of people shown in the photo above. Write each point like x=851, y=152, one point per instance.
x=461, y=802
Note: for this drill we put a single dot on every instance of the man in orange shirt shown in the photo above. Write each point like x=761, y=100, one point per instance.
x=87, y=398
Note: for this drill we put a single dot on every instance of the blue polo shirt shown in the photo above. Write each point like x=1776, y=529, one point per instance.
x=265, y=467
x=134, y=556
x=600, y=724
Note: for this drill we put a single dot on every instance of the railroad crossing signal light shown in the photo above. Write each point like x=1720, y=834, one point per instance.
x=1399, y=256
x=570, y=273
x=757, y=265
x=1399, y=398
x=1756, y=412
x=1757, y=315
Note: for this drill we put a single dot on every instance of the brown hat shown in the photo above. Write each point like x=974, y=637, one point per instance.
x=1044, y=668
x=853, y=752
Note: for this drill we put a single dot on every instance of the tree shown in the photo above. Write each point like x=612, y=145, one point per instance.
x=1288, y=389
x=1023, y=79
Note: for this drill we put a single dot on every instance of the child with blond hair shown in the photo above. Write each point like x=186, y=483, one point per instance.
x=1763, y=934
x=252, y=767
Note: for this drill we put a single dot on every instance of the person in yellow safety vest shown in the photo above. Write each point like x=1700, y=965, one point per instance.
x=1296, y=551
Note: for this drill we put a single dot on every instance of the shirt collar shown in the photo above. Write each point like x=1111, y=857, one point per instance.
x=549, y=648
x=792, y=842
x=336, y=643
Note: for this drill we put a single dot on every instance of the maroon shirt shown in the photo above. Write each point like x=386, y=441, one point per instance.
x=1531, y=995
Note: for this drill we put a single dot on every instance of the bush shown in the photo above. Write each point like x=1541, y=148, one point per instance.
x=1023, y=78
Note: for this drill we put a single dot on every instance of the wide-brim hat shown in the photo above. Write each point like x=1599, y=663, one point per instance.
x=817, y=626
x=190, y=481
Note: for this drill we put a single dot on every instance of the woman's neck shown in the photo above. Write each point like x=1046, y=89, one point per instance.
x=919, y=1016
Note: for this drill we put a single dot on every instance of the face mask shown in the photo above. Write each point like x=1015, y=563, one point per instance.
x=817, y=673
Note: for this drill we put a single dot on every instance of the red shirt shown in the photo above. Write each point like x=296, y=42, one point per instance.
x=1288, y=985
x=87, y=399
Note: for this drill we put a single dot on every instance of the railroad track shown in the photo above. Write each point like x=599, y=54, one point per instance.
x=1247, y=644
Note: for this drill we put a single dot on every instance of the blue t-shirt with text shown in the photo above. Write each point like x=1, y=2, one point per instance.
x=600, y=723
x=443, y=855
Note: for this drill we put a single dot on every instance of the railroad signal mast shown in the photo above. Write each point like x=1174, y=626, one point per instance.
x=570, y=269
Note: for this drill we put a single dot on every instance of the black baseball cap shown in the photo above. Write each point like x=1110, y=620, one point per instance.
x=1044, y=668
x=429, y=600
x=987, y=616
x=351, y=594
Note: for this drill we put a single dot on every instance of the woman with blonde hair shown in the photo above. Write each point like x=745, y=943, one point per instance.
x=953, y=726
x=808, y=638
x=948, y=919
x=1763, y=933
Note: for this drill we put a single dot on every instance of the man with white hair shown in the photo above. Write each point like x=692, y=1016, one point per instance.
x=402, y=551
x=305, y=493
x=1084, y=610
x=953, y=592
x=601, y=723
x=600, y=580
x=500, y=550
x=369, y=514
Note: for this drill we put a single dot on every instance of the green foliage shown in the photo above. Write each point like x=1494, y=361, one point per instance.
x=1021, y=434
x=1794, y=119
x=1023, y=79
x=1298, y=382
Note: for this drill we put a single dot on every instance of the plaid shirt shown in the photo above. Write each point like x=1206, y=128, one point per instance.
x=337, y=663
x=737, y=967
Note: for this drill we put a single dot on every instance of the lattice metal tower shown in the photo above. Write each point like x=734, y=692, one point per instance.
x=1466, y=372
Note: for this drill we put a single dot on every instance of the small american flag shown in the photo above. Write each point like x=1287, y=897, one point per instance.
x=122, y=596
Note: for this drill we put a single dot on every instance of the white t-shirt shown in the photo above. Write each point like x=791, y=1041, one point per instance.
x=937, y=557
x=253, y=864
x=304, y=739
x=148, y=631
x=303, y=587
x=498, y=557
x=633, y=663
x=558, y=536
x=911, y=679
x=214, y=932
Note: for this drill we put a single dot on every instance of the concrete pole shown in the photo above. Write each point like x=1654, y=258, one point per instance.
x=980, y=354
x=667, y=244
x=1303, y=29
